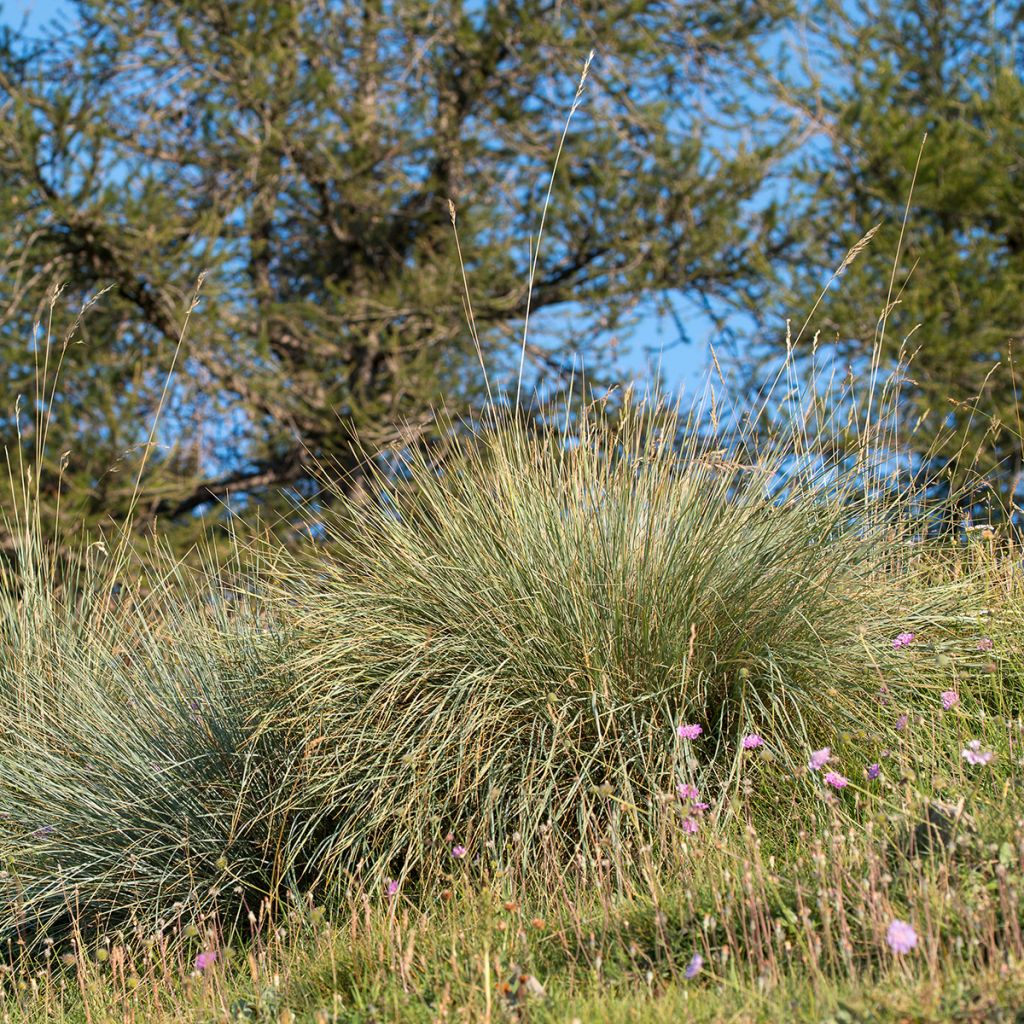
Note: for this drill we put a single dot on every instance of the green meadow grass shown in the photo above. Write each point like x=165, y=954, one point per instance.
x=428, y=768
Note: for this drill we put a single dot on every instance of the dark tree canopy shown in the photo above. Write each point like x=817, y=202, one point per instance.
x=302, y=153
x=881, y=75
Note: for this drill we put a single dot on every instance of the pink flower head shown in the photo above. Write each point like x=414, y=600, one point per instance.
x=901, y=722
x=694, y=967
x=902, y=640
x=688, y=791
x=901, y=937
x=752, y=741
x=207, y=959
x=819, y=759
x=689, y=825
x=985, y=644
x=873, y=771
x=458, y=852
x=391, y=888
x=949, y=698
x=688, y=732
x=973, y=754
x=836, y=781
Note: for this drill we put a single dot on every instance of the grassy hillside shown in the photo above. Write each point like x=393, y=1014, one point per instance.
x=615, y=720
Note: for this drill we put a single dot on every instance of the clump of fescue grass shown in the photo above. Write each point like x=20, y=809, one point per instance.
x=130, y=784
x=497, y=656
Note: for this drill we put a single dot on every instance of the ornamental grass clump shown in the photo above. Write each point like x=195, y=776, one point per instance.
x=130, y=785
x=504, y=646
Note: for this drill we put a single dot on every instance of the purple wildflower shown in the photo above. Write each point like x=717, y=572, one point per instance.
x=688, y=791
x=819, y=759
x=901, y=937
x=392, y=887
x=949, y=698
x=752, y=741
x=873, y=771
x=206, y=959
x=836, y=781
x=689, y=824
x=458, y=852
x=688, y=732
x=973, y=754
x=902, y=640
x=694, y=967
x=901, y=722
x=985, y=644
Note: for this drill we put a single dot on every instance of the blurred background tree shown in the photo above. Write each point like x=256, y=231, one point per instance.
x=303, y=152
x=875, y=77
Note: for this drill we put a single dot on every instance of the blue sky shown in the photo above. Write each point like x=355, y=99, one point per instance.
x=654, y=341
x=38, y=11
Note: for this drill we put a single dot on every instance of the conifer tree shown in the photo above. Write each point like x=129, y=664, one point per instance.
x=879, y=76
x=302, y=153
